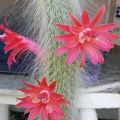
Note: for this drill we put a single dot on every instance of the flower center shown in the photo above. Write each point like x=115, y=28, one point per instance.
x=44, y=96
x=86, y=35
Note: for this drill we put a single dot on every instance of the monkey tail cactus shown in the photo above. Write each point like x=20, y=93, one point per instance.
x=42, y=16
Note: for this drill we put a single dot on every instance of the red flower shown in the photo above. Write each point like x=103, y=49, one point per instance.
x=17, y=44
x=41, y=100
x=86, y=38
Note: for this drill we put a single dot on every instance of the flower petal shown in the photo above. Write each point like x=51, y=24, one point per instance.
x=94, y=54
x=63, y=27
x=12, y=45
x=50, y=108
x=11, y=57
x=27, y=111
x=30, y=86
x=98, y=16
x=83, y=56
x=74, y=20
x=44, y=82
x=43, y=113
x=27, y=91
x=52, y=85
x=107, y=35
x=100, y=57
x=85, y=18
x=73, y=42
x=53, y=116
x=57, y=96
x=72, y=55
x=105, y=27
x=64, y=37
x=33, y=114
x=103, y=44
x=61, y=50
x=26, y=103
x=75, y=30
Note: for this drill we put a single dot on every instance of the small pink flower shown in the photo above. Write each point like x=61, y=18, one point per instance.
x=41, y=100
x=86, y=38
x=17, y=45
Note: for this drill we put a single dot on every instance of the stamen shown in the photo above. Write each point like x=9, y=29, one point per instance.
x=44, y=96
x=86, y=35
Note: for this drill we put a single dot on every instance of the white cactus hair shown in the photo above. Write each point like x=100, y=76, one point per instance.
x=42, y=16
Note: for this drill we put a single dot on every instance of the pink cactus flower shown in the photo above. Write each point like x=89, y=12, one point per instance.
x=17, y=45
x=86, y=38
x=43, y=101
